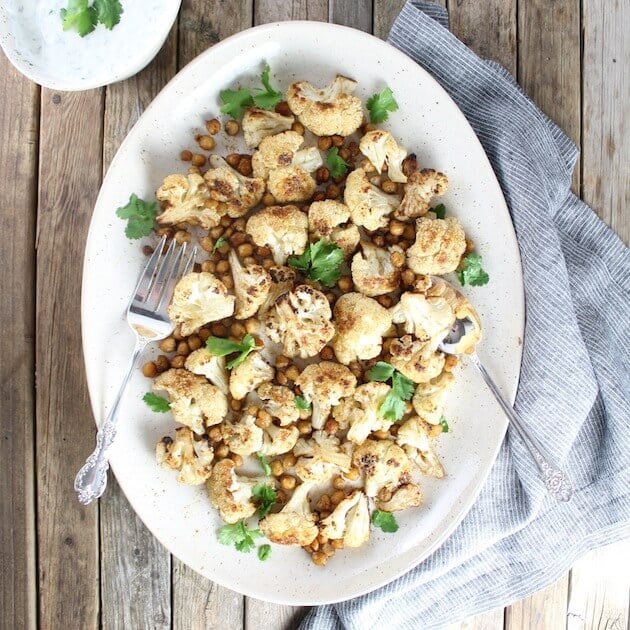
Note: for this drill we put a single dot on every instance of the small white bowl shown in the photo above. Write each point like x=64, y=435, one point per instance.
x=32, y=37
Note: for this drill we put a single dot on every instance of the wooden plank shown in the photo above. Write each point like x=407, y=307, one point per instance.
x=19, y=120
x=69, y=179
x=280, y=10
x=357, y=14
x=598, y=590
x=606, y=132
x=545, y=609
x=385, y=12
x=492, y=620
x=135, y=568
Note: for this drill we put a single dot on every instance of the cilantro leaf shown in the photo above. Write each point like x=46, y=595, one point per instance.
x=381, y=371
x=321, y=261
x=239, y=536
x=302, y=404
x=156, y=403
x=338, y=166
x=79, y=16
x=380, y=104
x=472, y=272
x=220, y=347
x=267, y=98
x=402, y=386
x=108, y=12
x=266, y=497
x=264, y=552
x=440, y=211
x=385, y=520
x=264, y=464
x=218, y=243
x=235, y=100
x=140, y=216
x=393, y=407
x=444, y=424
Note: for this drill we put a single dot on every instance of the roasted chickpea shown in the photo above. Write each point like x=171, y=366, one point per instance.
x=178, y=361
x=213, y=126
x=324, y=143
x=205, y=142
x=298, y=127
x=232, y=127
x=198, y=160
x=168, y=344
x=149, y=369
x=186, y=155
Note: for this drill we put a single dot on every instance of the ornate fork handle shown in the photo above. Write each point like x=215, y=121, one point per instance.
x=91, y=480
x=556, y=481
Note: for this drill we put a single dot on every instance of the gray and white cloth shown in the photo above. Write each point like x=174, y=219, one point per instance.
x=575, y=374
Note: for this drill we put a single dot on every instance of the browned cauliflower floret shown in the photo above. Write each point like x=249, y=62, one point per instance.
x=276, y=152
x=406, y=496
x=284, y=229
x=360, y=323
x=191, y=456
x=295, y=523
x=380, y=148
x=213, y=368
x=328, y=111
x=251, y=286
x=230, y=493
x=383, y=464
x=439, y=246
x=199, y=298
x=282, y=280
x=362, y=412
x=186, y=199
x=369, y=205
x=291, y=184
x=320, y=457
x=329, y=220
x=194, y=402
x=418, y=361
x=243, y=437
x=373, y=272
x=349, y=521
x=428, y=399
x=414, y=436
x=300, y=321
x=235, y=193
x=260, y=123
x=279, y=440
x=279, y=401
x=421, y=187
x=247, y=376
x=324, y=385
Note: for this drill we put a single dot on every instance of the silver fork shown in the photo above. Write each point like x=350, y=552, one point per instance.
x=148, y=318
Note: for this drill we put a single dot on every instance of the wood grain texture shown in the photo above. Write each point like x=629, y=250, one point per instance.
x=385, y=12
x=598, y=590
x=544, y=609
x=19, y=122
x=492, y=620
x=279, y=10
x=355, y=13
x=606, y=111
x=135, y=568
x=71, y=143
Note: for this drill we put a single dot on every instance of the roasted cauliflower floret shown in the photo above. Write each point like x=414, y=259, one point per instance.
x=279, y=401
x=247, y=376
x=418, y=361
x=414, y=436
x=192, y=457
x=230, y=493
x=383, y=464
x=194, y=402
x=328, y=111
x=213, y=368
x=360, y=323
x=373, y=272
x=291, y=184
x=251, y=286
x=329, y=220
x=199, y=298
x=421, y=187
x=369, y=205
x=279, y=440
x=324, y=385
x=243, y=437
x=320, y=457
x=284, y=229
x=235, y=193
x=300, y=320
x=349, y=521
x=406, y=496
x=186, y=199
x=428, y=399
x=295, y=523
x=282, y=280
x=276, y=152
x=439, y=246
x=380, y=148
x=362, y=412
x=259, y=123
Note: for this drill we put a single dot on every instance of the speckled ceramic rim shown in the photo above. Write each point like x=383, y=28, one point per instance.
x=181, y=517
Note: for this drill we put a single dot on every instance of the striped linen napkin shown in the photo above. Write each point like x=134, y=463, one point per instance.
x=575, y=379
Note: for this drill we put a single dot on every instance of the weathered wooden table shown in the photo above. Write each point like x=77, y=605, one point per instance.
x=68, y=566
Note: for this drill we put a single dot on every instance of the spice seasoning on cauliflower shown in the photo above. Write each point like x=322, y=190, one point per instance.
x=329, y=220
x=259, y=124
x=439, y=246
x=279, y=401
x=320, y=457
x=251, y=286
x=421, y=187
x=230, y=493
x=383, y=464
x=213, y=368
x=369, y=206
x=373, y=272
x=247, y=376
x=186, y=199
x=380, y=148
x=191, y=456
x=414, y=436
x=349, y=521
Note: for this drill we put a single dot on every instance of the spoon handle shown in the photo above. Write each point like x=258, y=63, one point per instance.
x=556, y=481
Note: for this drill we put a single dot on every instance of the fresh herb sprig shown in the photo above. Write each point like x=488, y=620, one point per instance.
x=385, y=521
x=220, y=347
x=84, y=18
x=338, y=166
x=218, y=243
x=156, y=403
x=239, y=536
x=471, y=271
x=444, y=424
x=264, y=464
x=266, y=498
x=140, y=215
x=234, y=101
x=393, y=407
x=380, y=104
x=264, y=551
x=302, y=404
x=321, y=261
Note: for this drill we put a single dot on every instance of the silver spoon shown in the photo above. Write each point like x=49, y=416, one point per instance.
x=557, y=482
